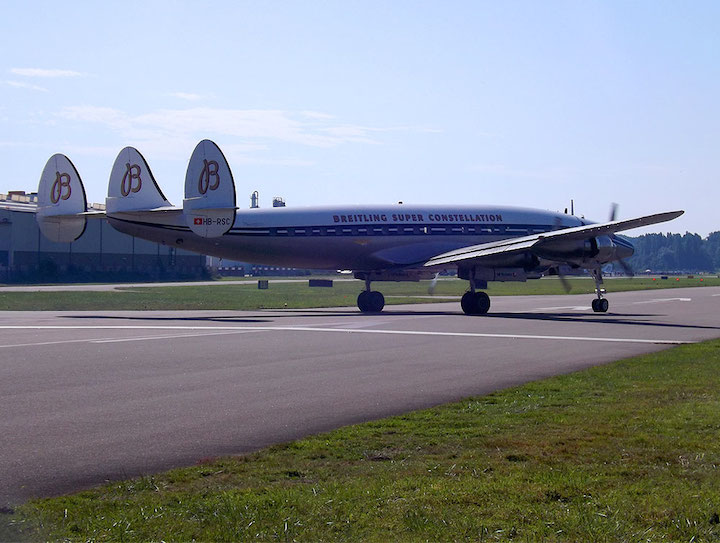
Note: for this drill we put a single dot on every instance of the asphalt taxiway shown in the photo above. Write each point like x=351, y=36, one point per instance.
x=88, y=397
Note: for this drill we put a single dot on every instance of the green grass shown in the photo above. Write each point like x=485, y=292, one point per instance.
x=299, y=295
x=625, y=452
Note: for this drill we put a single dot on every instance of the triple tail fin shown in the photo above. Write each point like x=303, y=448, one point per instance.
x=132, y=186
x=209, y=205
x=61, y=201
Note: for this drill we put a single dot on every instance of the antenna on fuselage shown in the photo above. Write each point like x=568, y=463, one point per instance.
x=254, y=200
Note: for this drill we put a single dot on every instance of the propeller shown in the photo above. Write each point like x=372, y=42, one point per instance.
x=563, y=279
x=626, y=268
x=624, y=265
x=564, y=282
x=613, y=212
x=433, y=284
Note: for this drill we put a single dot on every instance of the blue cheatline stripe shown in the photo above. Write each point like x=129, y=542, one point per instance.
x=370, y=230
x=394, y=229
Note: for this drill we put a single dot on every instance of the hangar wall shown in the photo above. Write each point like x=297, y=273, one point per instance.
x=101, y=254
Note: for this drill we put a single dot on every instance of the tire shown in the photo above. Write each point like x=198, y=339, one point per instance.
x=377, y=301
x=482, y=303
x=363, y=301
x=475, y=303
x=467, y=302
x=370, y=302
x=600, y=305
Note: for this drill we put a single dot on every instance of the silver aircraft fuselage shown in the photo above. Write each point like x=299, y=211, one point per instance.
x=351, y=237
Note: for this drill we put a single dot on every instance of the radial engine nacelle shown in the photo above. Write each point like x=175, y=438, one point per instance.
x=586, y=253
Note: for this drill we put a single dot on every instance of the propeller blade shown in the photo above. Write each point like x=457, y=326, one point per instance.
x=626, y=268
x=563, y=280
x=433, y=284
x=613, y=211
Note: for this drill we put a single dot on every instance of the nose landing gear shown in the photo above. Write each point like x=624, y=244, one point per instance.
x=599, y=304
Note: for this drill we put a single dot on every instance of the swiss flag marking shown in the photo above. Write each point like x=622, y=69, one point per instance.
x=197, y=220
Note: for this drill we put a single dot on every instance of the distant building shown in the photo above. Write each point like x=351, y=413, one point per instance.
x=101, y=254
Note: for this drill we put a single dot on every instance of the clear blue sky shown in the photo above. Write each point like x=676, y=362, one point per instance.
x=519, y=103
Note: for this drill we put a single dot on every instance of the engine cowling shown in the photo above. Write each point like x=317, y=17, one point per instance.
x=572, y=250
x=585, y=253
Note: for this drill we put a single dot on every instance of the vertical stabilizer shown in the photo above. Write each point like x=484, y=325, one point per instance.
x=209, y=204
x=61, y=201
x=132, y=186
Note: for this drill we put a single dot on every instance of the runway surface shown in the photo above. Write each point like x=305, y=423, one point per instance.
x=88, y=397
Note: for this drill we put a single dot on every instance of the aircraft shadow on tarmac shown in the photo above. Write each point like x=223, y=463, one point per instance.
x=630, y=319
x=233, y=319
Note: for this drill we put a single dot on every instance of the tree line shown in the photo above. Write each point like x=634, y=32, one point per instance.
x=675, y=252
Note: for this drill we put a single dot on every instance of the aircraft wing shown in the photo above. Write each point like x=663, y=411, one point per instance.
x=525, y=243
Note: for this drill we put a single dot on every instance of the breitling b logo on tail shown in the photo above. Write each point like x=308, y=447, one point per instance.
x=57, y=191
x=210, y=170
x=127, y=185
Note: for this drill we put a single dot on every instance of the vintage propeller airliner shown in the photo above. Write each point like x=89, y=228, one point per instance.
x=378, y=243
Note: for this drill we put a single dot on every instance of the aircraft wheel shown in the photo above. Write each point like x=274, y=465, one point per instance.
x=467, y=302
x=482, y=302
x=475, y=303
x=600, y=305
x=370, y=301
x=363, y=301
x=377, y=301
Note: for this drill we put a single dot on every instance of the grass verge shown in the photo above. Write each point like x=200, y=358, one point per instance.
x=624, y=452
x=298, y=295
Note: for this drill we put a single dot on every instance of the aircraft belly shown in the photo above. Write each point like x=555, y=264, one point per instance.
x=339, y=252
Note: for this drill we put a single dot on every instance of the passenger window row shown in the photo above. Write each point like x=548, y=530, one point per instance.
x=388, y=230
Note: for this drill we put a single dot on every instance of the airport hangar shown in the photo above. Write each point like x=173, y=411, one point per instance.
x=101, y=253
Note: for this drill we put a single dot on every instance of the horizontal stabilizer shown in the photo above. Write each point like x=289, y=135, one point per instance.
x=94, y=214
x=61, y=201
x=209, y=204
x=132, y=186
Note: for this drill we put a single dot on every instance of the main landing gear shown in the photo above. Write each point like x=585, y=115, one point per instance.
x=599, y=304
x=370, y=301
x=475, y=302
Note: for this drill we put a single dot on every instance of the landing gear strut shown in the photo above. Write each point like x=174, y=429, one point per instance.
x=599, y=304
x=474, y=303
x=370, y=301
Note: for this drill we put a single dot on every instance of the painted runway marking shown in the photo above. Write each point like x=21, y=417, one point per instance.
x=355, y=331
x=116, y=340
x=41, y=343
x=151, y=338
x=665, y=300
